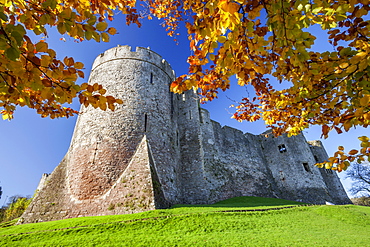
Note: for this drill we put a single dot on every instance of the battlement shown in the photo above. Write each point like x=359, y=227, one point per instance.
x=158, y=149
x=141, y=54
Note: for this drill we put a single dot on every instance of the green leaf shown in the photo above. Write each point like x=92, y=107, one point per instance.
x=88, y=35
x=42, y=47
x=3, y=16
x=96, y=36
x=50, y=3
x=12, y=53
x=92, y=20
x=18, y=37
x=101, y=26
x=3, y=44
x=61, y=28
x=105, y=37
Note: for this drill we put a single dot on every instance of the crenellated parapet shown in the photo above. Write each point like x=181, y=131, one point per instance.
x=141, y=54
x=158, y=149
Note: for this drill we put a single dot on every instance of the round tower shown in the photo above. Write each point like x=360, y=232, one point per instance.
x=104, y=142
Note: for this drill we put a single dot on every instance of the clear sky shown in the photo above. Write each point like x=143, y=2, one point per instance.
x=31, y=145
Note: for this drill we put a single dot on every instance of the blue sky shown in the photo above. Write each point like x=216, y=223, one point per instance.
x=31, y=145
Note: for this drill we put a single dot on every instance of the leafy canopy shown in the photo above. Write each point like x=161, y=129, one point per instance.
x=253, y=40
x=30, y=73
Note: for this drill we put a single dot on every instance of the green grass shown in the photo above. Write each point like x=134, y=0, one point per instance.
x=206, y=225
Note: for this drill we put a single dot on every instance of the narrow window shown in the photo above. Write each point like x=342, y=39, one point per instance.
x=282, y=148
x=151, y=78
x=200, y=113
x=316, y=159
x=190, y=117
x=177, y=138
x=171, y=102
x=183, y=97
x=306, y=167
x=145, y=122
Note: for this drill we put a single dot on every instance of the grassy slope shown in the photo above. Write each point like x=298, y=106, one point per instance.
x=186, y=225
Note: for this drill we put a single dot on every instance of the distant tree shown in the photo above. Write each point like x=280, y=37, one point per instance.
x=360, y=174
x=362, y=201
x=2, y=214
x=16, y=206
x=1, y=192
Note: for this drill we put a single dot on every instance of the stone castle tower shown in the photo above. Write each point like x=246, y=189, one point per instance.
x=160, y=149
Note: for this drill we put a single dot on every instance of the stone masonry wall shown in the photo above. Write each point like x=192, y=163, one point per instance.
x=331, y=179
x=137, y=189
x=159, y=149
x=233, y=162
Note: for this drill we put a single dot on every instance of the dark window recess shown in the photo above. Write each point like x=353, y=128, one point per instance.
x=200, y=113
x=306, y=167
x=171, y=102
x=145, y=122
x=151, y=78
x=190, y=116
x=177, y=138
x=282, y=148
x=316, y=159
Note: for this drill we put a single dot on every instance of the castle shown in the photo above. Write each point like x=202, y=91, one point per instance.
x=160, y=149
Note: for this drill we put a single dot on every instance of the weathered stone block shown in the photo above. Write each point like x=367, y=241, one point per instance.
x=159, y=149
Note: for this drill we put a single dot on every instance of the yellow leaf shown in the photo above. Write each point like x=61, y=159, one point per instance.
x=328, y=165
x=41, y=47
x=351, y=68
x=68, y=61
x=105, y=37
x=363, y=138
x=112, y=31
x=83, y=86
x=101, y=26
x=343, y=65
x=221, y=39
x=364, y=101
x=79, y=65
x=347, y=125
x=232, y=7
x=7, y=115
x=102, y=91
x=45, y=60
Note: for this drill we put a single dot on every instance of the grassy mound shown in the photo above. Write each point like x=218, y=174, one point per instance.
x=242, y=221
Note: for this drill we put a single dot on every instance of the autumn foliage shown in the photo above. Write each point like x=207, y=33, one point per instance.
x=30, y=73
x=252, y=40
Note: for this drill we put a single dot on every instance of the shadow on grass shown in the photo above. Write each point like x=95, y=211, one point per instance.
x=246, y=201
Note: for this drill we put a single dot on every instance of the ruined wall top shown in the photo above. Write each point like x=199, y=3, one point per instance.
x=141, y=53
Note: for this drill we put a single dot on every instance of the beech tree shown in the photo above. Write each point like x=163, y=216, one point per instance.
x=250, y=39
x=360, y=175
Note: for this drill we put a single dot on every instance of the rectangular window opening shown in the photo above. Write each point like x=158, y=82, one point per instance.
x=145, y=122
x=151, y=78
x=316, y=159
x=282, y=148
x=171, y=102
x=306, y=167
